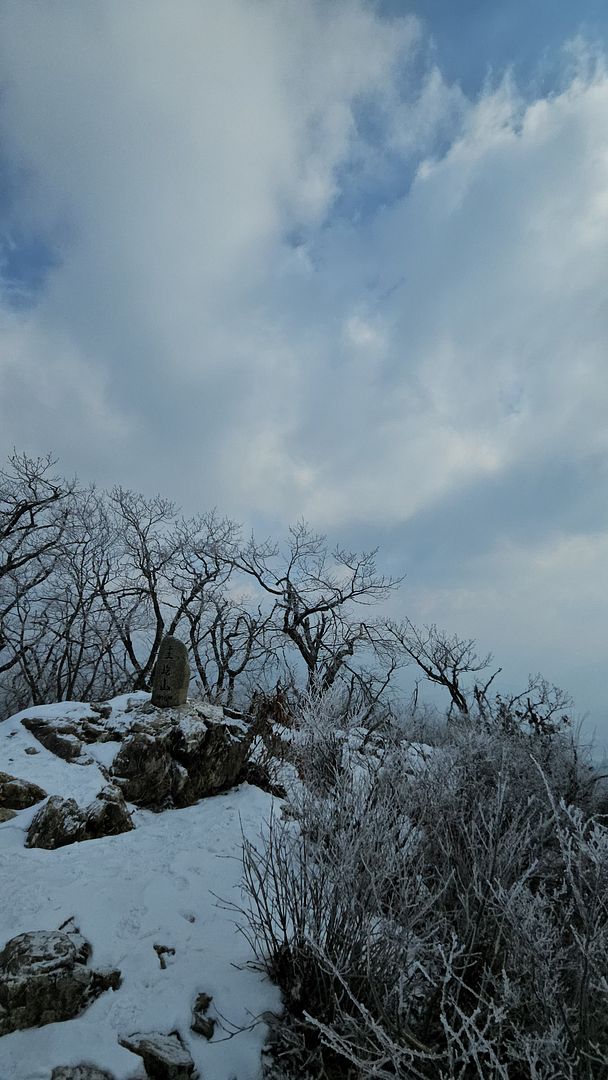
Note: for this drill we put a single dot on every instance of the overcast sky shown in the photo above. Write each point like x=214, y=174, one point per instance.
x=331, y=259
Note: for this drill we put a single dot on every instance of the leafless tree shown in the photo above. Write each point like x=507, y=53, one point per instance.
x=35, y=506
x=316, y=594
x=231, y=644
x=444, y=659
x=157, y=565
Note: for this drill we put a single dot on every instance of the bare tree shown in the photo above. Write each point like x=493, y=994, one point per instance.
x=59, y=634
x=35, y=506
x=157, y=566
x=316, y=595
x=230, y=644
x=444, y=659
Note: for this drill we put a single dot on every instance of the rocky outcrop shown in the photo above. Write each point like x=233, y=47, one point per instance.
x=6, y=815
x=57, y=823
x=146, y=773
x=165, y=1057
x=60, y=738
x=176, y=757
x=65, y=736
x=61, y=821
x=18, y=794
x=44, y=979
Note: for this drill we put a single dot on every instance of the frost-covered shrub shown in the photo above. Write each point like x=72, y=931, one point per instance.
x=438, y=913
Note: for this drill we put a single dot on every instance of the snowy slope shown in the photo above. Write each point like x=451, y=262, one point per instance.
x=155, y=885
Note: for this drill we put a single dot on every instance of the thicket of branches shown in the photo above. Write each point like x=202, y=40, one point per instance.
x=434, y=910
x=90, y=582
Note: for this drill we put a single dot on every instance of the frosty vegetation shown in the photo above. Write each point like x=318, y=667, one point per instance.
x=431, y=895
x=435, y=909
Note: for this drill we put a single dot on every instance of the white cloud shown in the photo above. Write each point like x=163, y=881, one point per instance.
x=538, y=606
x=293, y=283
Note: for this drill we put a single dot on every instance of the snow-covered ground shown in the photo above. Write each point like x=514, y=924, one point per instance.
x=156, y=885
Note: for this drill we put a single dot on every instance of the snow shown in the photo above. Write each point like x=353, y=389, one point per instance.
x=72, y=780
x=157, y=885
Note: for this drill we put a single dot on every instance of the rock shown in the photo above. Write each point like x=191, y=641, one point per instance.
x=103, y=708
x=18, y=794
x=213, y=754
x=259, y=775
x=107, y=815
x=64, y=736
x=175, y=758
x=164, y=1056
x=171, y=674
x=57, y=823
x=62, y=821
x=44, y=979
x=61, y=740
x=31, y=750
x=201, y=1023
x=6, y=815
x=147, y=774
x=80, y=1072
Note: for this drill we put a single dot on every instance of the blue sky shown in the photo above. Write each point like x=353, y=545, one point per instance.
x=346, y=261
x=475, y=38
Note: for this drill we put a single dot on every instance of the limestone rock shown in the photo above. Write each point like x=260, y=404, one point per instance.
x=57, y=823
x=60, y=740
x=177, y=757
x=80, y=1072
x=62, y=821
x=18, y=794
x=107, y=815
x=147, y=774
x=171, y=674
x=44, y=979
x=164, y=1056
x=64, y=736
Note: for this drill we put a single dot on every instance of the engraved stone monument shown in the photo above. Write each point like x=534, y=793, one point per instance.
x=171, y=674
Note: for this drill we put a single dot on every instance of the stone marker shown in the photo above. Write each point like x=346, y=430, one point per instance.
x=171, y=674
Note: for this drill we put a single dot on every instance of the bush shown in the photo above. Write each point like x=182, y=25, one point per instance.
x=436, y=912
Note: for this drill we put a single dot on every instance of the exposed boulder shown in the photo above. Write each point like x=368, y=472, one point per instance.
x=176, y=757
x=57, y=823
x=102, y=708
x=64, y=736
x=6, y=814
x=165, y=1057
x=107, y=815
x=18, y=794
x=44, y=979
x=60, y=739
x=147, y=774
x=62, y=821
x=213, y=754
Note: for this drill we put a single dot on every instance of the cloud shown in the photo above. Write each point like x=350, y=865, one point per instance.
x=296, y=271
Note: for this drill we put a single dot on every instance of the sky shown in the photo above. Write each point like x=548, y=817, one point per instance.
x=338, y=260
